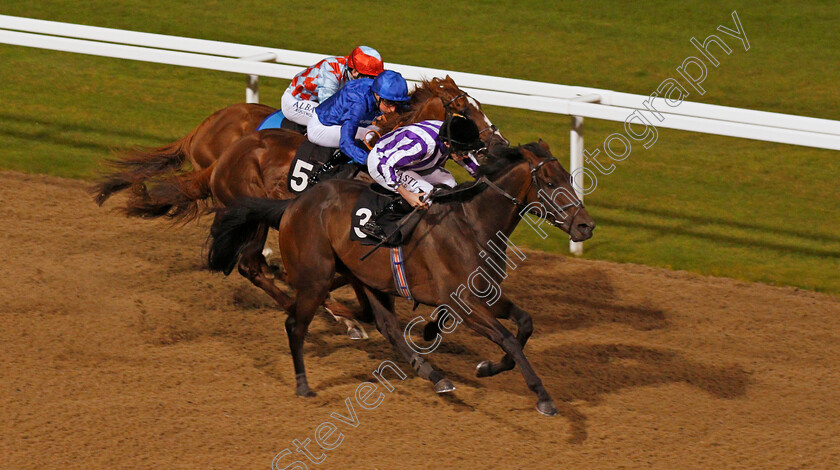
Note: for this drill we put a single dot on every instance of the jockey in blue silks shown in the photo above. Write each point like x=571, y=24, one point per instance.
x=348, y=115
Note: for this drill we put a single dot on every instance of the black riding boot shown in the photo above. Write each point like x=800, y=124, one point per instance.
x=387, y=219
x=328, y=168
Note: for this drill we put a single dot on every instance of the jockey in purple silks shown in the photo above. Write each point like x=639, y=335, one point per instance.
x=410, y=160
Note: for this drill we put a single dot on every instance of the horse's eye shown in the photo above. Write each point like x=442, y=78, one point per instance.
x=550, y=184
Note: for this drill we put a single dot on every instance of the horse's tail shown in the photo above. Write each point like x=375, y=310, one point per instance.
x=139, y=164
x=180, y=198
x=234, y=225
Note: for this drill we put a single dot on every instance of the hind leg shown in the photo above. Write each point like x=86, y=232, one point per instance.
x=337, y=310
x=310, y=270
x=297, y=324
x=252, y=266
x=342, y=313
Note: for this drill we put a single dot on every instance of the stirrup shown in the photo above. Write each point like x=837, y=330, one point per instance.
x=372, y=229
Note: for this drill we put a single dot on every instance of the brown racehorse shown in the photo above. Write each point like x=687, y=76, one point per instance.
x=444, y=253
x=258, y=165
x=206, y=143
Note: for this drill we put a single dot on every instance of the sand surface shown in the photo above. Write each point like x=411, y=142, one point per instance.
x=119, y=350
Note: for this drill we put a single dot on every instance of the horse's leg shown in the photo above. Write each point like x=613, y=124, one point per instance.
x=339, y=312
x=252, y=263
x=387, y=324
x=483, y=320
x=310, y=269
x=297, y=324
x=524, y=328
x=342, y=313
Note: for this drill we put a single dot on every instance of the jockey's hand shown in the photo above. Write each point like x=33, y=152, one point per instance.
x=413, y=198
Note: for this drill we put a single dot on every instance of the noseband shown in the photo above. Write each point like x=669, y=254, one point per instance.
x=547, y=204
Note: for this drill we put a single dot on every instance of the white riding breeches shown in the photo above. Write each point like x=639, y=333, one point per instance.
x=299, y=111
x=330, y=136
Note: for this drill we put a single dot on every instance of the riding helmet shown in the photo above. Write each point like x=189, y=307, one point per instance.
x=366, y=60
x=461, y=133
x=391, y=86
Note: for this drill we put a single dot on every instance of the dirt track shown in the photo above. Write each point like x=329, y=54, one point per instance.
x=120, y=351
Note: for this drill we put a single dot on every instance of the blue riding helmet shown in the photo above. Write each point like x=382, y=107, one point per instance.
x=391, y=86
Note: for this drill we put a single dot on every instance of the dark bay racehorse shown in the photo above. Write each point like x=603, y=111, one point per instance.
x=207, y=142
x=448, y=244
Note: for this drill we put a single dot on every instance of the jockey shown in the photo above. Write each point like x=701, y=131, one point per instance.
x=410, y=160
x=322, y=80
x=348, y=115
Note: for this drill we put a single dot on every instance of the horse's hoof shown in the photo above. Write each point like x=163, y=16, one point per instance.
x=547, y=408
x=483, y=369
x=306, y=392
x=357, y=333
x=444, y=386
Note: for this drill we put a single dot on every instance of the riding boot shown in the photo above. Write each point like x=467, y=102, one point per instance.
x=337, y=159
x=391, y=214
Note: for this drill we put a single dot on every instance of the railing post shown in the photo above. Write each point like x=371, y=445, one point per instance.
x=252, y=92
x=576, y=157
x=576, y=162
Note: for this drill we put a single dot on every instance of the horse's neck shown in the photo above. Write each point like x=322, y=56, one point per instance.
x=491, y=212
x=427, y=110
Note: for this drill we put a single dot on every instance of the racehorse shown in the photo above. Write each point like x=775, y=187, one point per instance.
x=449, y=242
x=258, y=165
x=206, y=143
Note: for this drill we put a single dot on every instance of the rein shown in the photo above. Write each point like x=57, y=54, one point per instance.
x=540, y=195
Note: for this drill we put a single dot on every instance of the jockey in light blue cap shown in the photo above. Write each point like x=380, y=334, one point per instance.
x=322, y=80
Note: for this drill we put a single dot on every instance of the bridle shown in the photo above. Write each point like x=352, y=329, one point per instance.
x=447, y=106
x=541, y=196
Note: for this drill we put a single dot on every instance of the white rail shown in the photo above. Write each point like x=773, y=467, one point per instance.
x=578, y=102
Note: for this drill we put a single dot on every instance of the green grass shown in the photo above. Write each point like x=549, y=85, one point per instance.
x=708, y=204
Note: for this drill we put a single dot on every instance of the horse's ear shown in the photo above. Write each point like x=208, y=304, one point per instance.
x=544, y=145
x=449, y=79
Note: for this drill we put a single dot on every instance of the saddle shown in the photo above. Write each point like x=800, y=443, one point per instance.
x=314, y=163
x=383, y=218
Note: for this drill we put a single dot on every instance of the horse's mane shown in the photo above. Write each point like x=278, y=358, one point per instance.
x=502, y=159
x=495, y=164
x=427, y=90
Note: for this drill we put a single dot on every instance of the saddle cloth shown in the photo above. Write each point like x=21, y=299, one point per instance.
x=372, y=201
x=308, y=159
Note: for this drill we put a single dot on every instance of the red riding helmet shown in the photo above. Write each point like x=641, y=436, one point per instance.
x=366, y=60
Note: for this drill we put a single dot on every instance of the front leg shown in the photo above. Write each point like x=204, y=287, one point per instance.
x=483, y=320
x=387, y=324
x=524, y=329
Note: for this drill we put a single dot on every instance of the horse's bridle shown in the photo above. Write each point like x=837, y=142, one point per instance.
x=541, y=196
x=447, y=106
